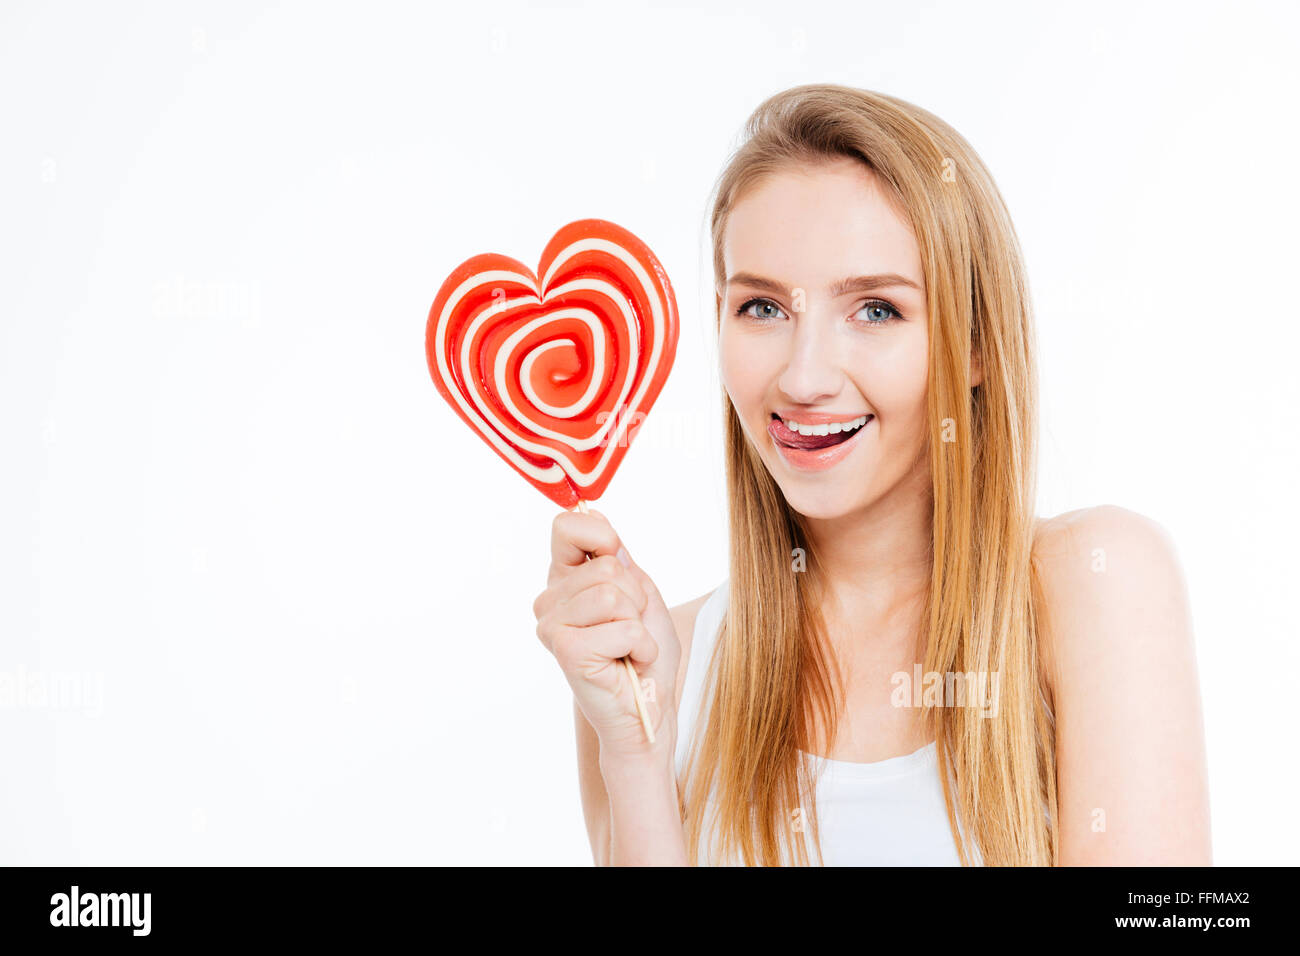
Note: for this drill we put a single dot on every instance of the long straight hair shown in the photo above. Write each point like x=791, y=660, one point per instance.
x=773, y=680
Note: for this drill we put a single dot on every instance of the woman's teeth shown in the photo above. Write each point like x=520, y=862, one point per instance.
x=833, y=428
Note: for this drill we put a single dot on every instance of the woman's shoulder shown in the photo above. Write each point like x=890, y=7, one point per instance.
x=1120, y=658
x=1106, y=519
x=1078, y=546
x=684, y=617
x=1104, y=572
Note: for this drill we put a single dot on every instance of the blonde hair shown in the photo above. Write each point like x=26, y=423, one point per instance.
x=772, y=676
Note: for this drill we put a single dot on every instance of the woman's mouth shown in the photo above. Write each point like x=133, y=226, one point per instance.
x=816, y=447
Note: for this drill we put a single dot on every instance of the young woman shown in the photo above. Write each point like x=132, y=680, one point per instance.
x=877, y=351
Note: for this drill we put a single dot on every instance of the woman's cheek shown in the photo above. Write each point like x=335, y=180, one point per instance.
x=898, y=399
x=739, y=376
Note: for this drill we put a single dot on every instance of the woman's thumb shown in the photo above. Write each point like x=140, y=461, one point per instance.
x=647, y=584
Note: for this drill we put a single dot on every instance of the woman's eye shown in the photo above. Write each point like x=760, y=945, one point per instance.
x=879, y=313
x=760, y=304
x=875, y=312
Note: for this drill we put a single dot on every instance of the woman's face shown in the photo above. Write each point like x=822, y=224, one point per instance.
x=824, y=325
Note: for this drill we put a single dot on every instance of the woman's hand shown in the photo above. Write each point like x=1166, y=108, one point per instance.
x=595, y=612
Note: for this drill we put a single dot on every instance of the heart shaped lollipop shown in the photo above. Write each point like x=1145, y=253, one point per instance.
x=557, y=375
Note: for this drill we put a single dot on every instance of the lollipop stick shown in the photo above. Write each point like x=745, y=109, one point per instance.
x=631, y=672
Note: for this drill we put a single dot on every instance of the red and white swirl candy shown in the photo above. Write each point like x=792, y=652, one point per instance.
x=557, y=375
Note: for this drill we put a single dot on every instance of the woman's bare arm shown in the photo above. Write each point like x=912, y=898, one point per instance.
x=1131, y=770
x=633, y=785
x=645, y=820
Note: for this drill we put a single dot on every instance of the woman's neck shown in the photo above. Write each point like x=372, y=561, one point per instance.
x=877, y=565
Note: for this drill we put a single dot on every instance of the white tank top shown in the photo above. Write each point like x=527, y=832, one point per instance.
x=887, y=813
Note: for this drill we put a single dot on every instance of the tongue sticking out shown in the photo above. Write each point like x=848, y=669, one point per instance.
x=785, y=436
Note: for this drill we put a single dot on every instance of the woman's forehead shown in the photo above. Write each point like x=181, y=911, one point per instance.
x=813, y=228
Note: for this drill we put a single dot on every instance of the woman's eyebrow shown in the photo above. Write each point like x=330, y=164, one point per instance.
x=843, y=287
x=883, y=280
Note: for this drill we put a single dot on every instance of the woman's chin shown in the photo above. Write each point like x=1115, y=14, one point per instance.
x=823, y=504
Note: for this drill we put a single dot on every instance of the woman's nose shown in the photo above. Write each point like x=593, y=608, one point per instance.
x=812, y=372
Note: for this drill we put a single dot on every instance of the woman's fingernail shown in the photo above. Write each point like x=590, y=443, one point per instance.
x=622, y=556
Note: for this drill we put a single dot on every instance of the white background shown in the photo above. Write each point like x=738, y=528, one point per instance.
x=295, y=591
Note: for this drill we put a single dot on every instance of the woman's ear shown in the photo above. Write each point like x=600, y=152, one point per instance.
x=976, y=369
